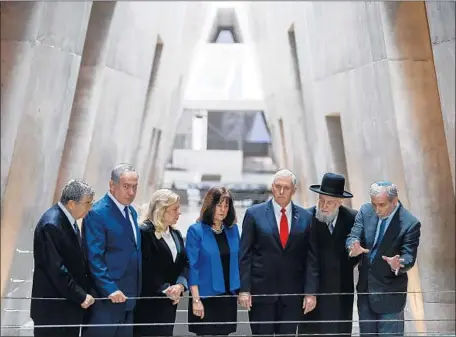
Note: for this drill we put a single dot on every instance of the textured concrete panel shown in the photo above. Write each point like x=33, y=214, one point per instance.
x=405, y=30
x=61, y=25
x=20, y=20
x=19, y=27
x=441, y=18
x=49, y=91
x=87, y=95
x=444, y=62
x=16, y=59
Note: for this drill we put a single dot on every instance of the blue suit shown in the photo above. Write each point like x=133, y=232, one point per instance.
x=114, y=259
x=205, y=263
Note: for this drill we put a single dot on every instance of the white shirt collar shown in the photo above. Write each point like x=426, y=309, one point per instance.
x=67, y=213
x=278, y=208
x=119, y=205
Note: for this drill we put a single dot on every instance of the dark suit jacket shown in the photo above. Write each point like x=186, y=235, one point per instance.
x=335, y=273
x=113, y=255
x=60, y=271
x=159, y=271
x=401, y=238
x=268, y=268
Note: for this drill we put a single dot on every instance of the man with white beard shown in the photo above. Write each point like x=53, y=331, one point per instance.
x=331, y=224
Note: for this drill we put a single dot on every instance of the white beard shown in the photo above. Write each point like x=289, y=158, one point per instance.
x=326, y=218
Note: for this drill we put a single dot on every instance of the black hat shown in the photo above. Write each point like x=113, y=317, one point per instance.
x=333, y=185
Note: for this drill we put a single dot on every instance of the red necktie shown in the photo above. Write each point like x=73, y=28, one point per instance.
x=283, y=228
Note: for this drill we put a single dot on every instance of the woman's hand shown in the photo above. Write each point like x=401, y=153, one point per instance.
x=174, y=293
x=198, y=308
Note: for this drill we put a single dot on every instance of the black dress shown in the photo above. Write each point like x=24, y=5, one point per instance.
x=217, y=309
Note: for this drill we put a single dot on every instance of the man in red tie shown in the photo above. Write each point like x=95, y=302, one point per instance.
x=277, y=260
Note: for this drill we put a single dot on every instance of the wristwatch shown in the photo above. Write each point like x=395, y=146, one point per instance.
x=195, y=300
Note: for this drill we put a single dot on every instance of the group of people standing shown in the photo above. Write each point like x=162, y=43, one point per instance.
x=290, y=267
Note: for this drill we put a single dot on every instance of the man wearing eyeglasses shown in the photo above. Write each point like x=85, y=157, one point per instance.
x=331, y=224
x=60, y=266
x=386, y=236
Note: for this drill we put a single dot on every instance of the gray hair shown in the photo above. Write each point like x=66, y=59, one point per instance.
x=285, y=173
x=383, y=186
x=119, y=170
x=76, y=190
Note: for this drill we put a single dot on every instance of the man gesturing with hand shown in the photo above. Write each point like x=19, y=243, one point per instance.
x=387, y=235
x=113, y=247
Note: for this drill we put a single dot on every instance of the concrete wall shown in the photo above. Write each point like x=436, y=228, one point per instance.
x=441, y=18
x=41, y=48
x=371, y=65
x=77, y=99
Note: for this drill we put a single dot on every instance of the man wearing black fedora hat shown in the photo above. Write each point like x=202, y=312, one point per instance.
x=331, y=224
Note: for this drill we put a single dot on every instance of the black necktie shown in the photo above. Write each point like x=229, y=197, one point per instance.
x=78, y=233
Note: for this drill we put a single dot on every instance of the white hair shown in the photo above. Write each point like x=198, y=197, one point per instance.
x=383, y=186
x=285, y=173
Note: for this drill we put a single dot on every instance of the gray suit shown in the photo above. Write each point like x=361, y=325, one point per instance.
x=375, y=275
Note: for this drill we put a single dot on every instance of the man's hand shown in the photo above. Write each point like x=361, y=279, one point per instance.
x=395, y=263
x=89, y=300
x=117, y=297
x=309, y=303
x=175, y=292
x=356, y=249
x=245, y=300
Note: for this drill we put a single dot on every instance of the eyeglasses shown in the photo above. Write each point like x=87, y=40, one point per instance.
x=329, y=203
x=87, y=203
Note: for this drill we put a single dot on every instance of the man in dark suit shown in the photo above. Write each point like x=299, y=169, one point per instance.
x=113, y=246
x=60, y=267
x=331, y=225
x=275, y=258
x=387, y=235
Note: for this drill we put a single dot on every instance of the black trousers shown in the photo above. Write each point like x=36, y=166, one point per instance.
x=56, y=332
x=152, y=311
x=279, y=312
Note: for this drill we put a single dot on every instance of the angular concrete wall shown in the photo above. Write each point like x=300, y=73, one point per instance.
x=441, y=18
x=371, y=65
x=41, y=52
x=75, y=82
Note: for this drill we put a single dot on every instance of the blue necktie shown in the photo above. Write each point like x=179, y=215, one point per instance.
x=381, y=232
x=127, y=216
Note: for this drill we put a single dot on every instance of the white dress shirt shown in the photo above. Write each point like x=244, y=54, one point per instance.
x=334, y=221
x=170, y=242
x=278, y=214
x=122, y=211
